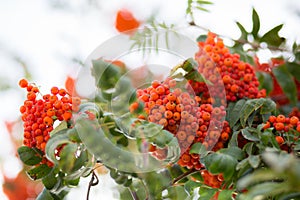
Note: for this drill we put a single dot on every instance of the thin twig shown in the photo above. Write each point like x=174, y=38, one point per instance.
x=184, y=175
x=133, y=194
x=94, y=181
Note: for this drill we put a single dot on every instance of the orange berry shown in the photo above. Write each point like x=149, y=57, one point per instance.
x=171, y=97
x=205, y=116
x=279, y=139
x=133, y=107
x=280, y=118
x=298, y=128
x=272, y=119
x=23, y=83
x=184, y=114
x=234, y=88
x=51, y=112
x=186, y=158
x=65, y=99
x=168, y=114
x=226, y=79
x=23, y=109
x=163, y=122
x=241, y=66
x=228, y=62
x=172, y=83
x=76, y=101
x=181, y=135
x=248, y=77
x=294, y=120
x=160, y=90
x=155, y=83
x=39, y=139
x=224, y=136
x=62, y=92
x=267, y=125
x=170, y=106
x=35, y=90
x=176, y=116
x=48, y=121
x=67, y=116
x=54, y=90
x=279, y=126
x=31, y=96
x=53, y=99
x=153, y=96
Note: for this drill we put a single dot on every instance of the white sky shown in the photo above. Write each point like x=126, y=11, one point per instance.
x=47, y=39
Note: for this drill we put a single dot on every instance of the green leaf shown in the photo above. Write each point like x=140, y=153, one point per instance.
x=234, y=139
x=123, y=141
x=255, y=24
x=106, y=74
x=266, y=189
x=68, y=157
x=272, y=38
x=235, y=152
x=39, y=172
x=235, y=112
x=248, y=148
x=265, y=81
x=244, y=33
x=58, y=139
x=201, y=38
x=294, y=69
x=63, y=125
x=177, y=192
x=29, y=156
x=84, y=159
x=204, y=2
x=45, y=195
x=221, y=163
x=189, y=187
x=249, y=107
x=256, y=177
x=50, y=180
x=206, y=193
x=242, y=164
x=254, y=160
x=269, y=106
x=250, y=134
x=198, y=148
x=286, y=82
x=225, y=195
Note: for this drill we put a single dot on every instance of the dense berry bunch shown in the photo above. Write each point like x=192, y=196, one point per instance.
x=181, y=113
x=220, y=67
x=283, y=128
x=39, y=114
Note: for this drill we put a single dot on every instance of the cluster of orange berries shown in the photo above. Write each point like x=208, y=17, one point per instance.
x=220, y=67
x=281, y=125
x=39, y=114
x=182, y=114
x=212, y=180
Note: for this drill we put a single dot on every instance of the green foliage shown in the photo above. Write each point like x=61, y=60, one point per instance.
x=239, y=113
x=252, y=159
x=286, y=82
x=29, y=156
x=279, y=181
